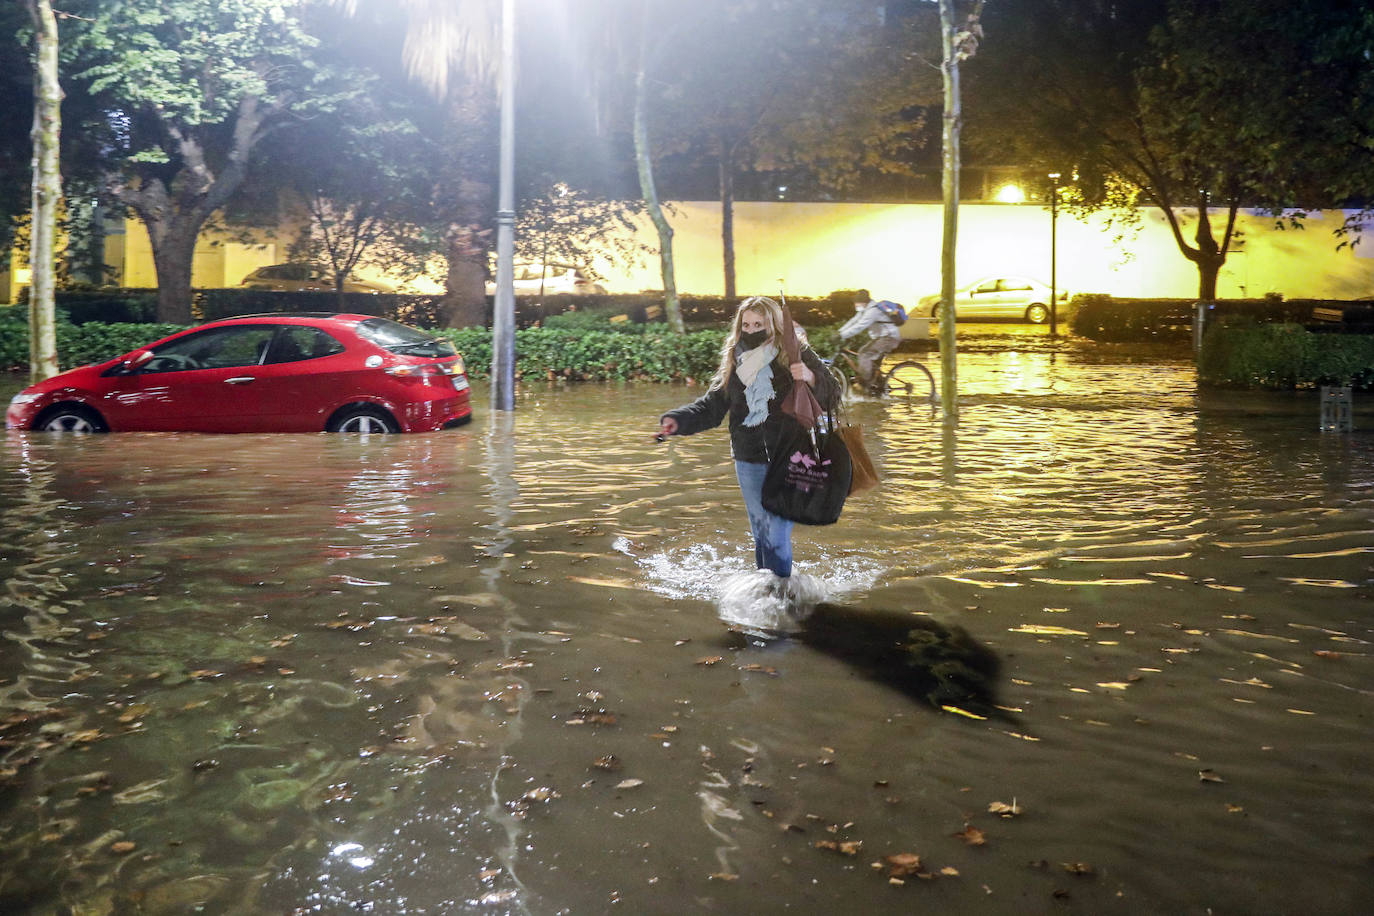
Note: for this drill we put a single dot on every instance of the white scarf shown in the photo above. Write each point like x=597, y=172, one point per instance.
x=755, y=369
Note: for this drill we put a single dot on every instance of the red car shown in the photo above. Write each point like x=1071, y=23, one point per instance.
x=290, y=373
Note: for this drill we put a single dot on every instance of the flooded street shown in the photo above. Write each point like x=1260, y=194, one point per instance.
x=484, y=670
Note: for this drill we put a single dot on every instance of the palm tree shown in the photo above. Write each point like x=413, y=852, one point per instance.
x=452, y=49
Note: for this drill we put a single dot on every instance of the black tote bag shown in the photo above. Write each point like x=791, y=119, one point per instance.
x=808, y=476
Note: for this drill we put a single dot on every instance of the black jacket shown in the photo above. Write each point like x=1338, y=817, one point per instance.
x=752, y=443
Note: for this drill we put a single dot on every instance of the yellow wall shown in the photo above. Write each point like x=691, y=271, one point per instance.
x=894, y=250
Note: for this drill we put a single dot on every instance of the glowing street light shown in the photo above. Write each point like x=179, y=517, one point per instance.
x=1010, y=194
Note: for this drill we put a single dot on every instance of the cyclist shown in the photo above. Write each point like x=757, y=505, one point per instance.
x=882, y=333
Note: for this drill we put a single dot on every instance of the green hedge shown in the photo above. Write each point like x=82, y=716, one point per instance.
x=78, y=345
x=1106, y=318
x=578, y=346
x=119, y=305
x=596, y=355
x=1241, y=353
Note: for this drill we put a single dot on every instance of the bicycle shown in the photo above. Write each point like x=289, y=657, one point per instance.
x=907, y=379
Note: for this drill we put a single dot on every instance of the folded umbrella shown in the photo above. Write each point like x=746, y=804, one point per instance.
x=799, y=403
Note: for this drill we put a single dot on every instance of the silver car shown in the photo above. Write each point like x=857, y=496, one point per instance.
x=997, y=297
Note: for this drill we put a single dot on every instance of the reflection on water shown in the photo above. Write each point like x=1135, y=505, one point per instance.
x=484, y=669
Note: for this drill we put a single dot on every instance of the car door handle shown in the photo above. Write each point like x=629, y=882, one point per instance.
x=240, y=380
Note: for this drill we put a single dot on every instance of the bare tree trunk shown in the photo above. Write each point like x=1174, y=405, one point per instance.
x=727, y=216
x=470, y=241
x=650, y=194
x=173, y=258
x=465, y=297
x=47, y=194
x=949, y=375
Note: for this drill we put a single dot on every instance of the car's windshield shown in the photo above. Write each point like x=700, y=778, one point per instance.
x=400, y=338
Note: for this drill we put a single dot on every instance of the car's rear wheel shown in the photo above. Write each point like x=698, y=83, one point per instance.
x=1037, y=314
x=362, y=419
x=70, y=418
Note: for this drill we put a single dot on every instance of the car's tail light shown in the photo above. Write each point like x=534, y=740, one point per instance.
x=453, y=367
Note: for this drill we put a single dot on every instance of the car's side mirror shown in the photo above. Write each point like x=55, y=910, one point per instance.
x=137, y=360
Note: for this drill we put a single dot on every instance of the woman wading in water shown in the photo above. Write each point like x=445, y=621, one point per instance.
x=749, y=388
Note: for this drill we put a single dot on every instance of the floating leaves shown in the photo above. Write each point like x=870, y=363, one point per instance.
x=1208, y=776
x=592, y=717
x=765, y=669
x=843, y=847
x=900, y=865
x=707, y=661
x=629, y=784
x=971, y=835
x=1002, y=809
x=610, y=763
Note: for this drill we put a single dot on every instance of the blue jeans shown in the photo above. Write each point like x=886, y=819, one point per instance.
x=772, y=533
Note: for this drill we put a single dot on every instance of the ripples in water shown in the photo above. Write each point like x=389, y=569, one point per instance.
x=485, y=669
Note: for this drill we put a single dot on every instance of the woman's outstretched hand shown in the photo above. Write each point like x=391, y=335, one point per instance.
x=802, y=373
x=666, y=427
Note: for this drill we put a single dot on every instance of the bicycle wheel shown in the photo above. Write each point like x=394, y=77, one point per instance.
x=910, y=379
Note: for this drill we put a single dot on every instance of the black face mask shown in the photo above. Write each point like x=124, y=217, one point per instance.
x=753, y=339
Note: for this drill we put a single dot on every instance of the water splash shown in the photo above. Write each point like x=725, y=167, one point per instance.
x=753, y=600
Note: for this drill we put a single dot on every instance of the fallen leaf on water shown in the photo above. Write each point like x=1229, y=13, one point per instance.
x=610, y=763
x=352, y=626
x=1077, y=868
x=949, y=872
x=1108, y=626
x=1004, y=809
x=766, y=669
x=1209, y=776
x=901, y=864
x=723, y=876
x=629, y=783
x=708, y=660
x=843, y=847
x=971, y=835
x=1234, y=809
x=681, y=642
x=123, y=846
x=512, y=663
x=203, y=673
x=541, y=794
x=1326, y=653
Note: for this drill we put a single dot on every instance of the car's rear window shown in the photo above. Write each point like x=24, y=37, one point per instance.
x=400, y=338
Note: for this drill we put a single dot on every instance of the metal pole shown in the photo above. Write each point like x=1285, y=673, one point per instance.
x=503, y=310
x=949, y=372
x=1054, y=235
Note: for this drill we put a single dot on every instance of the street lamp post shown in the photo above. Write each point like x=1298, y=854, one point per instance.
x=503, y=308
x=1054, y=231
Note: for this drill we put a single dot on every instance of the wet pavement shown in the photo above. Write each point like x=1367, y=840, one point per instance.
x=1102, y=647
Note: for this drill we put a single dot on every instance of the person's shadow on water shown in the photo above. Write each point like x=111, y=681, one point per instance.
x=939, y=665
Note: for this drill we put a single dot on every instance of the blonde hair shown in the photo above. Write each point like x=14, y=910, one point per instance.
x=772, y=313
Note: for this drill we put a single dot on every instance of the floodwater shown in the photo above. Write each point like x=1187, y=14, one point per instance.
x=485, y=670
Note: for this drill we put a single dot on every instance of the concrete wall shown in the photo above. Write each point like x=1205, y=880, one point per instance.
x=894, y=250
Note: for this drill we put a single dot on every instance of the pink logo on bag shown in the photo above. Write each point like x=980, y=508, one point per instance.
x=804, y=474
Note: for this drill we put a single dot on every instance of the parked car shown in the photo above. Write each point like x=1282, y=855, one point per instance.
x=553, y=279
x=306, y=278
x=293, y=373
x=997, y=297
